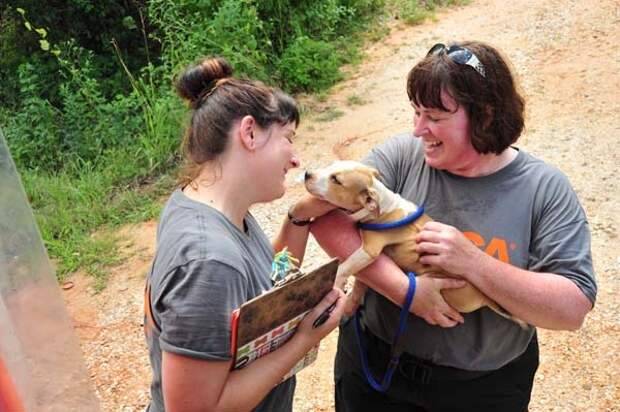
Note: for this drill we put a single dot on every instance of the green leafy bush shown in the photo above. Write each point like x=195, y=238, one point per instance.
x=33, y=133
x=309, y=65
x=271, y=40
x=230, y=28
x=79, y=128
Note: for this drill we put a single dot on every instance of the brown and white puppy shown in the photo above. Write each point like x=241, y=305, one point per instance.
x=355, y=187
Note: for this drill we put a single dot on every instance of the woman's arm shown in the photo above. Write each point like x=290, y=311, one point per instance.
x=292, y=237
x=338, y=236
x=191, y=384
x=295, y=237
x=547, y=300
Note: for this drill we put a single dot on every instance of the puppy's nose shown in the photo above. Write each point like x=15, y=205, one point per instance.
x=307, y=175
x=295, y=161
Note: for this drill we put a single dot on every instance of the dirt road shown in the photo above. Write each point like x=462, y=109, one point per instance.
x=566, y=56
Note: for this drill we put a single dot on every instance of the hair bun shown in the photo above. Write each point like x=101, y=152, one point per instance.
x=200, y=78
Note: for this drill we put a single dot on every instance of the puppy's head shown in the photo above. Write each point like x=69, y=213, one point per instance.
x=346, y=184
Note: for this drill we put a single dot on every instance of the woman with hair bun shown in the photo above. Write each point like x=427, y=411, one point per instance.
x=212, y=256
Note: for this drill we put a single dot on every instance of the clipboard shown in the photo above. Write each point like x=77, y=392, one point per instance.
x=263, y=324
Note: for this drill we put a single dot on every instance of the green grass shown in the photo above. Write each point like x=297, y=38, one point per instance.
x=415, y=12
x=378, y=32
x=329, y=114
x=355, y=100
x=69, y=209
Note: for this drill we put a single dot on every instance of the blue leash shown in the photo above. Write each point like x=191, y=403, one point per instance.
x=392, y=225
x=394, y=356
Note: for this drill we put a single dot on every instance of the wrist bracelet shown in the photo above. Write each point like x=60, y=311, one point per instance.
x=298, y=222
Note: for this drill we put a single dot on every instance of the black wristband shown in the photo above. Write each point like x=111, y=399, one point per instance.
x=298, y=222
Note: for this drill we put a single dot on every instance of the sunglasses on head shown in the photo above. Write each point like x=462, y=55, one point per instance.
x=459, y=55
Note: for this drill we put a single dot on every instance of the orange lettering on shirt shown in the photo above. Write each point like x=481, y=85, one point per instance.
x=497, y=247
x=475, y=238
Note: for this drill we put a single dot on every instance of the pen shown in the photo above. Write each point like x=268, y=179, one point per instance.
x=324, y=315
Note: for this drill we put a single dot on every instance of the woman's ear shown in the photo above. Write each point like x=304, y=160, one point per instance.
x=246, y=132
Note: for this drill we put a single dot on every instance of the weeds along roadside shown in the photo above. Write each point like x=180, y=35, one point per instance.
x=93, y=158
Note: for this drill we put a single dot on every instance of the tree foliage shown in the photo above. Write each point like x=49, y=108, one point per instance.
x=91, y=25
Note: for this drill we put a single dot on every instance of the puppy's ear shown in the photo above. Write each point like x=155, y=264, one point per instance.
x=375, y=173
x=370, y=199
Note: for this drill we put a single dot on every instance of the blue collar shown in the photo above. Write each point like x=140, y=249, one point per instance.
x=393, y=225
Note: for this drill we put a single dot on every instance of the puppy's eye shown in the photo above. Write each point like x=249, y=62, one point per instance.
x=334, y=179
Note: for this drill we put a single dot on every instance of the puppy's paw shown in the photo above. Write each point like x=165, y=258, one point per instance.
x=341, y=283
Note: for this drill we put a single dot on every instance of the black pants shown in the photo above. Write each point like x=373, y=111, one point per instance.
x=418, y=386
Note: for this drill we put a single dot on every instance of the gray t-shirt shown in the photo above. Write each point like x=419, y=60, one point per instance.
x=204, y=268
x=525, y=214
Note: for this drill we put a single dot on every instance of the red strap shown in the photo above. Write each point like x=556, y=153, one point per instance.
x=9, y=398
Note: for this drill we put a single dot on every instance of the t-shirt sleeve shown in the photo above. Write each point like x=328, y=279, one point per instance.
x=561, y=236
x=387, y=158
x=195, y=306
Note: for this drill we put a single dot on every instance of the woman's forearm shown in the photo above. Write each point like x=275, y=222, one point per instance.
x=192, y=385
x=293, y=237
x=246, y=387
x=546, y=300
x=264, y=373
